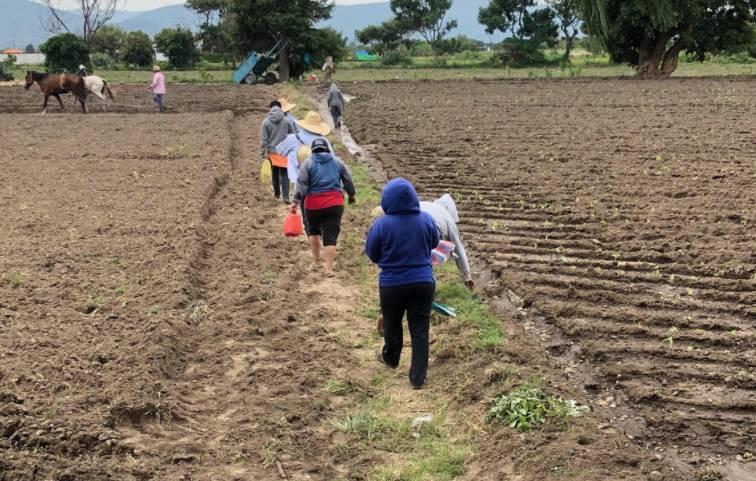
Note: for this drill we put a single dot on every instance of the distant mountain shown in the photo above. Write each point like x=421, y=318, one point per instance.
x=153, y=21
x=21, y=20
x=348, y=18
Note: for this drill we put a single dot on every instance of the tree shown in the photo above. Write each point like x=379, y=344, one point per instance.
x=568, y=23
x=210, y=9
x=108, y=40
x=29, y=49
x=540, y=28
x=460, y=43
x=293, y=20
x=65, y=52
x=178, y=45
x=651, y=34
x=317, y=44
x=137, y=49
x=506, y=16
x=384, y=37
x=425, y=17
x=94, y=15
x=521, y=19
x=529, y=27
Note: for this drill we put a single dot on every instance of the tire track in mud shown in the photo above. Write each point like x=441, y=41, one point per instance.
x=248, y=329
x=186, y=438
x=640, y=277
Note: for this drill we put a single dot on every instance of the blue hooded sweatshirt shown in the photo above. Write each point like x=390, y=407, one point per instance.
x=401, y=241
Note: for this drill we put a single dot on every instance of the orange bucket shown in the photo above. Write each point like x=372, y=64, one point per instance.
x=293, y=224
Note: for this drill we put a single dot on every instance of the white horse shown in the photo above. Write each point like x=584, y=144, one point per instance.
x=98, y=86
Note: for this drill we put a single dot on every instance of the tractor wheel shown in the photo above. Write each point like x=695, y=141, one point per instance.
x=270, y=78
x=250, y=79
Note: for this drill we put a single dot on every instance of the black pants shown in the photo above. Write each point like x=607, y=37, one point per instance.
x=281, y=183
x=415, y=300
x=336, y=114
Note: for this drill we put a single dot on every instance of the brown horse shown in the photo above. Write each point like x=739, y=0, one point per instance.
x=54, y=84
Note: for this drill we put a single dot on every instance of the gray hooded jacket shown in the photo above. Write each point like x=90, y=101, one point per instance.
x=335, y=97
x=274, y=130
x=444, y=213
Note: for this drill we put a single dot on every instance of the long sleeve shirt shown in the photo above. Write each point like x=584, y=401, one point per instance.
x=158, y=83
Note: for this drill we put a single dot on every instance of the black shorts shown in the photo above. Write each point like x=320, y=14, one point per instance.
x=326, y=223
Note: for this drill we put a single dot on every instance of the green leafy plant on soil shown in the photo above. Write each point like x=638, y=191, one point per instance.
x=526, y=406
x=16, y=280
x=338, y=387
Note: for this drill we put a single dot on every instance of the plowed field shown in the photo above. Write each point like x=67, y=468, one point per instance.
x=622, y=213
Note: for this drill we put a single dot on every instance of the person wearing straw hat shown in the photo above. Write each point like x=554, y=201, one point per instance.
x=296, y=146
x=273, y=131
x=158, y=87
x=310, y=128
x=323, y=179
x=287, y=108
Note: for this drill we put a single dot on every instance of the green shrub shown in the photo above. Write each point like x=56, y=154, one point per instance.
x=102, y=61
x=178, y=45
x=399, y=56
x=520, y=53
x=137, y=50
x=65, y=52
x=6, y=70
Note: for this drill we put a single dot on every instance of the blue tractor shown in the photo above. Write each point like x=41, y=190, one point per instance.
x=255, y=66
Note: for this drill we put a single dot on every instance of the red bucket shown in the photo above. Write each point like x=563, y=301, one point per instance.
x=293, y=224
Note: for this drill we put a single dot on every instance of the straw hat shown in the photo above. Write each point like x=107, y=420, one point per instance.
x=287, y=106
x=314, y=123
x=303, y=153
x=156, y=68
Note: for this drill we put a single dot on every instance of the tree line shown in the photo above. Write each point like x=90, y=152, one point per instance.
x=647, y=34
x=650, y=35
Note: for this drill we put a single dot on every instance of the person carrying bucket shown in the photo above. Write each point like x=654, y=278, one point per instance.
x=322, y=181
x=158, y=88
x=296, y=146
x=273, y=131
x=401, y=242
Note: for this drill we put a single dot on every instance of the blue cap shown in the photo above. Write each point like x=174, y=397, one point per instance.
x=320, y=145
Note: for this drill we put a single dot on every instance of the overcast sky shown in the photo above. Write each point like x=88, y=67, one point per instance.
x=152, y=4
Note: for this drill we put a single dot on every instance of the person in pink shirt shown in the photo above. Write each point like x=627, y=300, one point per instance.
x=158, y=87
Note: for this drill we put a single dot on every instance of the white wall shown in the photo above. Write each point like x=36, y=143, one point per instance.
x=27, y=58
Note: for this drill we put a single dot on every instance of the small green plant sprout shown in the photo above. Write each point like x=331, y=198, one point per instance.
x=16, y=280
x=525, y=407
x=337, y=387
x=178, y=151
x=671, y=338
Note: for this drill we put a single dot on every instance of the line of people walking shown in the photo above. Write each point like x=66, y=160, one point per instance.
x=400, y=241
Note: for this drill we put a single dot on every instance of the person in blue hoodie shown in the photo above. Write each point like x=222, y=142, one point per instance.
x=400, y=242
x=322, y=181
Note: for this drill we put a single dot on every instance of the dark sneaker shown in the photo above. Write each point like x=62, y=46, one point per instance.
x=416, y=387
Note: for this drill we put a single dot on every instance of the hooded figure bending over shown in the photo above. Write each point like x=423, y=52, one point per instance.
x=401, y=242
x=444, y=213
